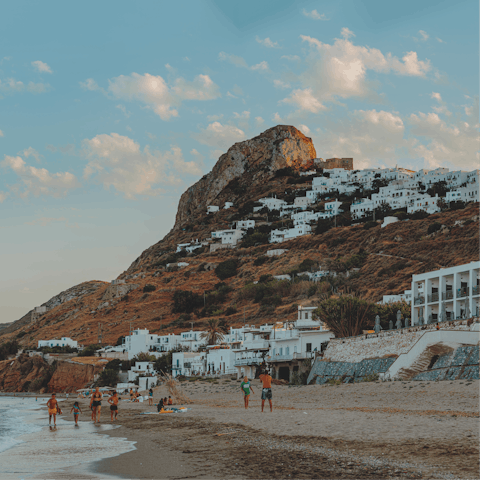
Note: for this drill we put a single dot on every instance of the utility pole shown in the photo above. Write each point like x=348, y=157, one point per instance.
x=244, y=316
x=100, y=340
x=191, y=323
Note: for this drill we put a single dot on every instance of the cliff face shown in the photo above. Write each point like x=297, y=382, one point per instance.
x=69, y=376
x=249, y=161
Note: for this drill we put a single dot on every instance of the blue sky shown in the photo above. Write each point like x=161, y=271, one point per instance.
x=110, y=110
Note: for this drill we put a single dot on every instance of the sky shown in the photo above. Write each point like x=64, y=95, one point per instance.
x=110, y=110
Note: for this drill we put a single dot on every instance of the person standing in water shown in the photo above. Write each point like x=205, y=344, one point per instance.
x=52, y=405
x=76, y=412
x=113, y=401
x=246, y=387
x=267, y=389
x=96, y=403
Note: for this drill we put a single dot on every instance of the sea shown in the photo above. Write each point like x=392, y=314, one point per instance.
x=30, y=449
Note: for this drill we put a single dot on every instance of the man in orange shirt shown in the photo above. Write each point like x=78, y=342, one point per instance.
x=267, y=389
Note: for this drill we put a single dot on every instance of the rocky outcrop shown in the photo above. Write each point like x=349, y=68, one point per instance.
x=34, y=374
x=249, y=161
x=70, y=376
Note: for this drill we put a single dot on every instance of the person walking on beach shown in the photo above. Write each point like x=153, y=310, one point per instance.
x=76, y=412
x=150, y=397
x=96, y=403
x=267, y=389
x=113, y=401
x=52, y=405
x=246, y=387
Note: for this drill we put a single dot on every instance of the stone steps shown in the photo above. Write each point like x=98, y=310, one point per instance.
x=422, y=363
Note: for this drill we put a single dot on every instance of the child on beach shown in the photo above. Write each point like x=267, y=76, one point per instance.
x=76, y=412
x=170, y=401
x=52, y=405
x=246, y=387
x=113, y=401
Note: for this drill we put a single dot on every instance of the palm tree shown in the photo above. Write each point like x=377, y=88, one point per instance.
x=214, y=333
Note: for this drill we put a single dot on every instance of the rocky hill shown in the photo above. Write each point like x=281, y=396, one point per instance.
x=369, y=261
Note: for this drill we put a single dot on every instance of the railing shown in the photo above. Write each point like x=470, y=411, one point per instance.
x=176, y=368
x=432, y=297
x=448, y=295
x=476, y=290
x=419, y=300
x=248, y=361
x=280, y=358
x=462, y=292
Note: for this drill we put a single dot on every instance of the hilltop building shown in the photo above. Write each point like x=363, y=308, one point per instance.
x=63, y=342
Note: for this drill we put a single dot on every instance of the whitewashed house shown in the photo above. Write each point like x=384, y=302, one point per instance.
x=62, y=342
x=229, y=237
x=228, y=205
x=271, y=203
x=212, y=209
x=245, y=224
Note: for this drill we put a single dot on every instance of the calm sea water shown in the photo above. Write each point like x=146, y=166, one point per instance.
x=30, y=449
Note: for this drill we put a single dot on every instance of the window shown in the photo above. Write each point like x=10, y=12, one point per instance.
x=287, y=351
x=309, y=347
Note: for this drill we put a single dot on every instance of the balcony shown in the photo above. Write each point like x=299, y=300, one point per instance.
x=462, y=292
x=476, y=290
x=419, y=300
x=432, y=297
x=248, y=361
x=448, y=295
x=280, y=358
x=176, y=368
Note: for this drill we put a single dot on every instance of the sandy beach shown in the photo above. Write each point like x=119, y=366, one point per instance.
x=366, y=430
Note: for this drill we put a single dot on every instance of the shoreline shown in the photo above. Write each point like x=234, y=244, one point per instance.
x=326, y=432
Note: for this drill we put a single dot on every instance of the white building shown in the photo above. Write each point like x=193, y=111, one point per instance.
x=423, y=202
x=228, y=205
x=229, y=237
x=282, y=235
x=388, y=221
x=246, y=224
x=333, y=208
x=212, y=209
x=63, y=342
x=271, y=203
x=446, y=294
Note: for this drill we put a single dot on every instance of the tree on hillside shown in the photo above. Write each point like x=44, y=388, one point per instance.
x=440, y=188
x=108, y=378
x=214, y=332
x=346, y=316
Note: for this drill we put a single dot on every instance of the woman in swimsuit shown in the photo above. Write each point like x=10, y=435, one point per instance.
x=96, y=404
x=76, y=412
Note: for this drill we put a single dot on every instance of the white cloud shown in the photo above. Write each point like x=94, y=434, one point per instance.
x=154, y=92
x=221, y=136
x=214, y=118
x=436, y=96
x=118, y=161
x=90, y=84
x=259, y=120
x=425, y=36
x=31, y=152
x=281, y=84
x=294, y=58
x=266, y=42
x=240, y=61
x=260, y=66
x=304, y=129
x=440, y=40
x=38, y=181
x=124, y=110
x=231, y=95
x=1, y=134
x=151, y=136
x=277, y=118
x=304, y=100
x=457, y=142
x=371, y=137
x=340, y=70
x=243, y=115
x=3, y=196
x=41, y=67
x=314, y=15
x=10, y=85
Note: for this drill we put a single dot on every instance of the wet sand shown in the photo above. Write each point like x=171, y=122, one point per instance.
x=367, y=430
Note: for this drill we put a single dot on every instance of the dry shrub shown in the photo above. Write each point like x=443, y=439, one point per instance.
x=300, y=288
x=174, y=389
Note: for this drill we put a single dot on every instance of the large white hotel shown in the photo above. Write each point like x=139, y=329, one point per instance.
x=446, y=294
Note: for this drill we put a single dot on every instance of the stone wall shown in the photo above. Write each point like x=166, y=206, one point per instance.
x=348, y=372
x=388, y=342
x=460, y=364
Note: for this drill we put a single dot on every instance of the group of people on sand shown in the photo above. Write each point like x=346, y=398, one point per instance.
x=266, y=380
x=95, y=407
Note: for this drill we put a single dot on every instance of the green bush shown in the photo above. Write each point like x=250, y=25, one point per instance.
x=323, y=225
x=230, y=311
x=255, y=238
x=108, y=377
x=89, y=351
x=369, y=224
x=260, y=260
x=185, y=301
x=434, y=227
x=226, y=269
x=149, y=288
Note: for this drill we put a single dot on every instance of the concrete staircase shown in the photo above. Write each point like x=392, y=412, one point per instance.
x=423, y=362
